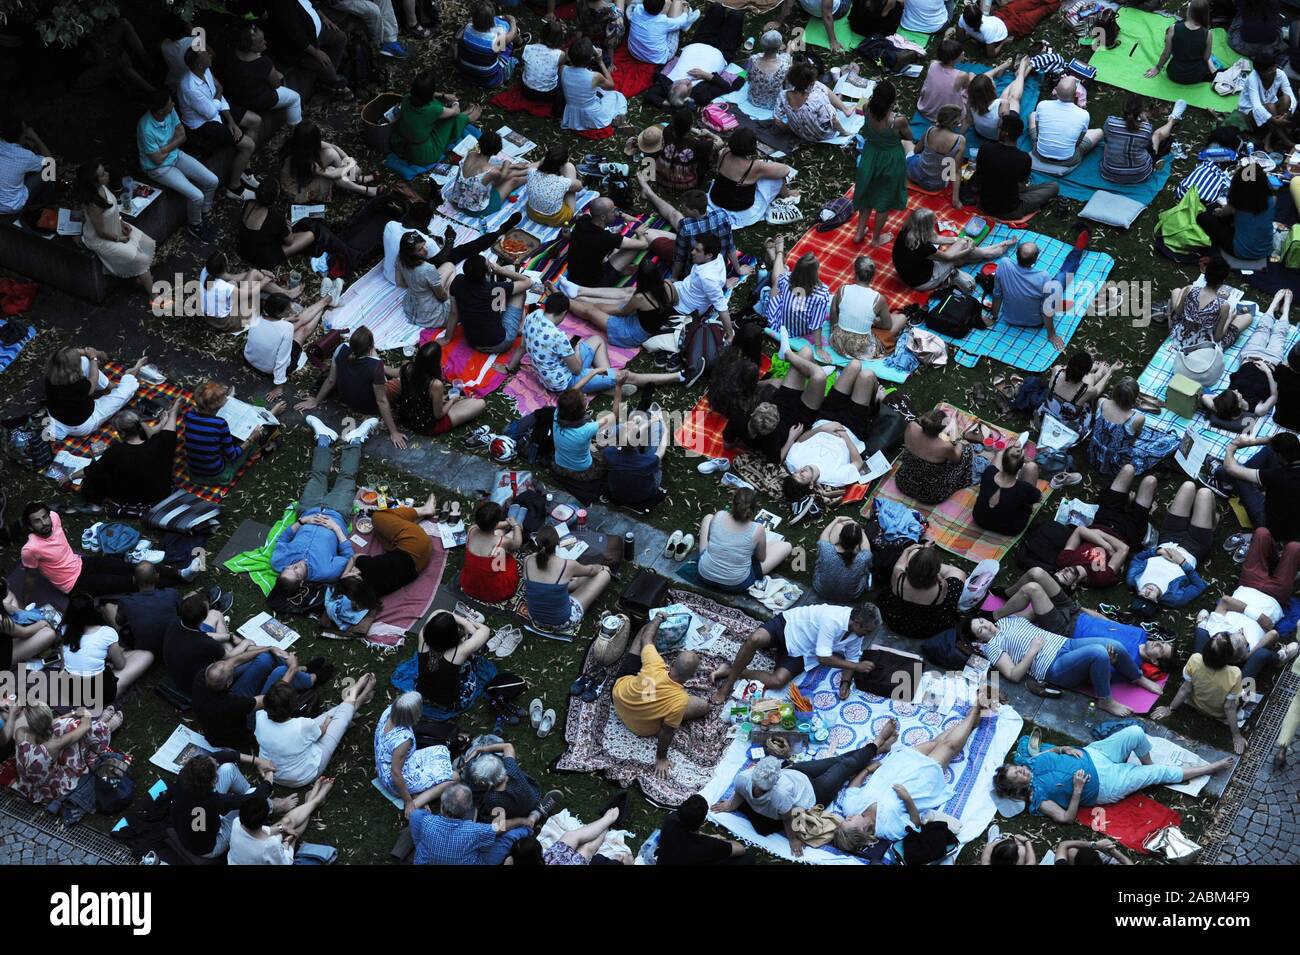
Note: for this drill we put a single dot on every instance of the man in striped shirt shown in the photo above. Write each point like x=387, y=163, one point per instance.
x=691, y=221
x=1018, y=650
x=1210, y=181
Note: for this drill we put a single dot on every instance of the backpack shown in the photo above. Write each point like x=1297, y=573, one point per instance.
x=184, y=512
x=701, y=340
x=1291, y=248
x=117, y=540
x=24, y=444
x=114, y=787
x=533, y=502
x=942, y=650
x=956, y=314
x=360, y=67
x=532, y=435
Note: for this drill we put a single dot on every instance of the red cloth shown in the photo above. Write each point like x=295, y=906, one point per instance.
x=605, y=132
x=15, y=296
x=1022, y=16
x=1130, y=821
x=631, y=76
x=514, y=101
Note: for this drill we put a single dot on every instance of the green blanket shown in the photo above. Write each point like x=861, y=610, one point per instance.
x=814, y=34
x=1141, y=41
x=257, y=562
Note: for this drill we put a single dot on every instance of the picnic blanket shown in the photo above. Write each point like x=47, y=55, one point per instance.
x=942, y=702
x=404, y=676
x=1155, y=379
x=700, y=432
x=406, y=606
x=91, y=445
x=1129, y=821
x=1137, y=699
x=1141, y=40
x=814, y=34
x=952, y=523
x=1022, y=16
x=1029, y=348
x=516, y=202
x=9, y=352
x=256, y=561
x=1028, y=102
x=631, y=76
x=512, y=100
x=598, y=742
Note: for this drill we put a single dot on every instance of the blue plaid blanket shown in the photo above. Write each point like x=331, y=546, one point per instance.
x=1028, y=348
x=9, y=352
x=1154, y=381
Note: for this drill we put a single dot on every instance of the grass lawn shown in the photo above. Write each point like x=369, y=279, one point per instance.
x=357, y=819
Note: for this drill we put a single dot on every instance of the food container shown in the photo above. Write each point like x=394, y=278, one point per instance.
x=364, y=524
x=516, y=245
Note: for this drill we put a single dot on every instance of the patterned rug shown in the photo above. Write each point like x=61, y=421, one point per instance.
x=94, y=444
x=951, y=524
x=598, y=742
x=941, y=703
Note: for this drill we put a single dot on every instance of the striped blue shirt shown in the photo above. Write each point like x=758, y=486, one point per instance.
x=209, y=446
x=1210, y=181
x=800, y=312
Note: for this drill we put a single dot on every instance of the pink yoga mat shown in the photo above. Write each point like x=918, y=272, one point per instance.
x=1134, y=697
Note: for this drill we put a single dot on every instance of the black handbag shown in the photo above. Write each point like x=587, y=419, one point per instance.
x=956, y=314
x=643, y=593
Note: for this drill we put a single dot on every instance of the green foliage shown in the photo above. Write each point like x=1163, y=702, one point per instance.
x=66, y=22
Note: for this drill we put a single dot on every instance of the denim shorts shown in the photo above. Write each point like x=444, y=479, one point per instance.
x=625, y=331
x=601, y=382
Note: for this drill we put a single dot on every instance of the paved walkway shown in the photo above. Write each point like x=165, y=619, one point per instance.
x=1259, y=815
x=31, y=836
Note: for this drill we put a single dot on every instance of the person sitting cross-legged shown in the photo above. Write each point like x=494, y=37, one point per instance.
x=801, y=639
x=360, y=378
x=1025, y=296
x=229, y=692
x=1059, y=127
x=501, y=785
x=453, y=836
x=276, y=338
x=650, y=696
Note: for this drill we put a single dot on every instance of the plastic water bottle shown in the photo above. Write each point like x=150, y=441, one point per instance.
x=649, y=851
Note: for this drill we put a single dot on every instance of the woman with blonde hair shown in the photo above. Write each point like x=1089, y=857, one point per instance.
x=52, y=754
x=78, y=395
x=857, y=310
x=406, y=769
x=926, y=260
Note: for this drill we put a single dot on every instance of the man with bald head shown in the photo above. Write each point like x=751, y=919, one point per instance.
x=650, y=696
x=1023, y=294
x=1060, y=129
x=599, y=257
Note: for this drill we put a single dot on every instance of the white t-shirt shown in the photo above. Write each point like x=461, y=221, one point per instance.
x=541, y=67
x=292, y=746
x=1160, y=572
x=90, y=658
x=269, y=348
x=393, y=233
x=820, y=630
x=1232, y=622
x=1059, y=127
x=829, y=455
x=920, y=775
x=218, y=296
x=1258, y=603
x=247, y=849
x=924, y=16
x=992, y=30
x=697, y=56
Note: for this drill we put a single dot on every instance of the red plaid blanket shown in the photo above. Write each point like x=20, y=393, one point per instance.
x=701, y=429
x=93, y=444
x=836, y=249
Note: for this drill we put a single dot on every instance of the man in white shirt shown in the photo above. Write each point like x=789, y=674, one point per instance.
x=1060, y=129
x=276, y=338
x=655, y=28
x=212, y=123
x=253, y=842
x=704, y=290
x=1268, y=102
x=22, y=160
x=801, y=639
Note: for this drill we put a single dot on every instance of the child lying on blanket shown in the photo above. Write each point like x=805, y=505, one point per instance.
x=353, y=601
x=1060, y=779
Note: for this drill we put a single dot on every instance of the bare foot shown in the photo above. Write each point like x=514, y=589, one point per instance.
x=720, y=674
x=430, y=507
x=883, y=239
x=1114, y=708
x=283, y=804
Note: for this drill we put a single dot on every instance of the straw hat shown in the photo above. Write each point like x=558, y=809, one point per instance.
x=649, y=141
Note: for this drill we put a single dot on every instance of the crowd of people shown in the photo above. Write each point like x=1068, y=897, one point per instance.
x=631, y=283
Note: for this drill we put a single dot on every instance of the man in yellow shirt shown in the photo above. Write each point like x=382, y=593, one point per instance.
x=650, y=696
x=1213, y=685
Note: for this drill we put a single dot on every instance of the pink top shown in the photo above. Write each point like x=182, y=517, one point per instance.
x=937, y=91
x=53, y=557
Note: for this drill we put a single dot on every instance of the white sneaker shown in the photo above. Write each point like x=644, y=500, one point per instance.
x=322, y=429
x=713, y=466
x=733, y=480
x=1180, y=107
x=362, y=431
x=783, y=337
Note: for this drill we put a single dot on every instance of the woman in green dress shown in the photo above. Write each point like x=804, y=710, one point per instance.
x=882, y=171
x=425, y=126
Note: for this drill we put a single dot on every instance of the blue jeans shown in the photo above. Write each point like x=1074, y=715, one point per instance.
x=1085, y=659
x=602, y=382
x=1116, y=777
x=259, y=674
x=1251, y=494
x=1255, y=664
